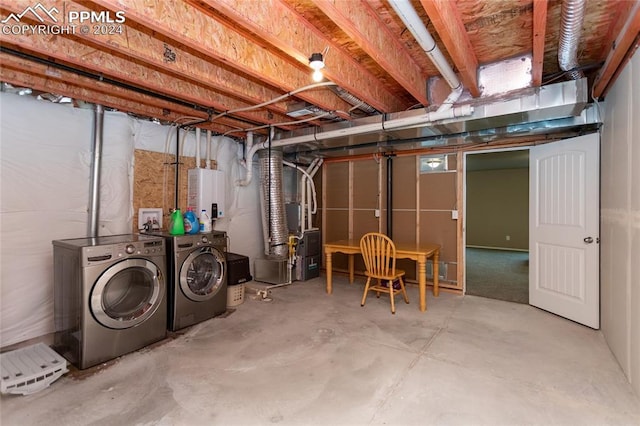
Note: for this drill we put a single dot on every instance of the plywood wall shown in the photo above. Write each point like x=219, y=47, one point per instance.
x=154, y=183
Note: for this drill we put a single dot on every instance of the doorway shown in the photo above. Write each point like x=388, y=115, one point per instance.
x=497, y=225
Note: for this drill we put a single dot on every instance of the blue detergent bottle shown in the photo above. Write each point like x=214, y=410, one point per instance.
x=191, y=225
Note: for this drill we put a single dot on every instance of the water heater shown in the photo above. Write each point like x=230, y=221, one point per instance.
x=206, y=188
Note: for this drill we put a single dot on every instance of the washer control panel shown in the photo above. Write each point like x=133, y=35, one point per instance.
x=96, y=255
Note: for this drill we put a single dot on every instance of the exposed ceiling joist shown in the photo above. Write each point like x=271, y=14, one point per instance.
x=359, y=21
x=447, y=21
x=539, y=33
x=623, y=46
x=188, y=26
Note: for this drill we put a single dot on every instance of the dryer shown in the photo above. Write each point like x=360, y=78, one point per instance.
x=109, y=296
x=197, y=289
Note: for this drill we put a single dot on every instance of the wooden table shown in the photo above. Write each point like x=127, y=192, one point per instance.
x=418, y=252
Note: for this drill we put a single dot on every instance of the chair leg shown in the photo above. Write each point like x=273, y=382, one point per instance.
x=366, y=290
x=392, y=296
x=404, y=291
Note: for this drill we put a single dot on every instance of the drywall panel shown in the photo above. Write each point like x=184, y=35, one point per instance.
x=620, y=222
x=337, y=185
x=404, y=183
x=498, y=208
x=438, y=191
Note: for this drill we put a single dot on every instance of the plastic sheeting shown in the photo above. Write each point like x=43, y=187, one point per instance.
x=45, y=160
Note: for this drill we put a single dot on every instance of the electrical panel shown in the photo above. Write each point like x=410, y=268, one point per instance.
x=206, y=191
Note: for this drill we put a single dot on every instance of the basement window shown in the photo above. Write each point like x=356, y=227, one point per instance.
x=433, y=163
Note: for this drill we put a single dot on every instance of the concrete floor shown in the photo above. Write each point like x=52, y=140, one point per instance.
x=307, y=358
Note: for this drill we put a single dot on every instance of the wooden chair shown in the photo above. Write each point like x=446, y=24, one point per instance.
x=379, y=255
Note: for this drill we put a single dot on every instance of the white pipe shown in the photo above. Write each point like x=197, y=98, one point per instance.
x=182, y=138
x=303, y=205
x=197, y=147
x=208, y=162
x=310, y=212
x=167, y=142
x=308, y=176
x=249, y=149
x=410, y=18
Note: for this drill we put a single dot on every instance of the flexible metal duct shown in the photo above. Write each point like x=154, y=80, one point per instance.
x=353, y=100
x=570, y=33
x=274, y=220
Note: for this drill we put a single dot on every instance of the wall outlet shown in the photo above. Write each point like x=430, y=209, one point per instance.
x=454, y=214
x=508, y=237
x=376, y=212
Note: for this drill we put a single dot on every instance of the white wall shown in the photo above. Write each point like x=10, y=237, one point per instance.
x=620, y=221
x=45, y=161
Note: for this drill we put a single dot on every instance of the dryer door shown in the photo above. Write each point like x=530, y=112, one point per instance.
x=127, y=293
x=202, y=274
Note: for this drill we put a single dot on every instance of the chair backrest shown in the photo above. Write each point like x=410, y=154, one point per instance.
x=379, y=254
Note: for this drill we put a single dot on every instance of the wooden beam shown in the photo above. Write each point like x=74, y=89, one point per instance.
x=447, y=21
x=626, y=42
x=68, y=51
x=21, y=72
x=185, y=24
x=539, y=33
x=175, y=60
x=277, y=24
x=359, y=21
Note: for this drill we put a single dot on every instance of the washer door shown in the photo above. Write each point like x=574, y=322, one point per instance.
x=202, y=274
x=127, y=293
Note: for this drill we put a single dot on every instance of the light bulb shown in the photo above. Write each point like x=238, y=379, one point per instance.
x=317, y=76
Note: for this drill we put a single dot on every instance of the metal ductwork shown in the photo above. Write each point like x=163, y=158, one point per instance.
x=356, y=102
x=570, y=33
x=274, y=220
x=96, y=164
x=551, y=102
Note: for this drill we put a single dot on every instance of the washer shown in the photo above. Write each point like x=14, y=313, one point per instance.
x=197, y=289
x=109, y=296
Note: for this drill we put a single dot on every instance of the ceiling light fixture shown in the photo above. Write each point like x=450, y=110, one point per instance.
x=316, y=62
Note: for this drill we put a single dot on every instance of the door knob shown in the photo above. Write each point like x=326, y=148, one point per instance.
x=588, y=240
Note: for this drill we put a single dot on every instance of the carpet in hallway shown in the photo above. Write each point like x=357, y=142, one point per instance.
x=498, y=274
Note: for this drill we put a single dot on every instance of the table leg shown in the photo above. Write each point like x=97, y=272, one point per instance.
x=436, y=273
x=351, y=270
x=329, y=272
x=422, y=283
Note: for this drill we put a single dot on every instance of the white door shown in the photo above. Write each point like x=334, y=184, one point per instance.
x=564, y=254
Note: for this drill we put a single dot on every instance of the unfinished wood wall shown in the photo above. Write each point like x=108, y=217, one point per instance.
x=154, y=183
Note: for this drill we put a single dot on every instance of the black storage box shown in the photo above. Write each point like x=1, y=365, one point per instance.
x=237, y=269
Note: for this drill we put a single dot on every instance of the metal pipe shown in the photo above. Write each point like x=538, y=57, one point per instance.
x=389, y=196
x=177, y=171
x=96, y=163
x=570, y=33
